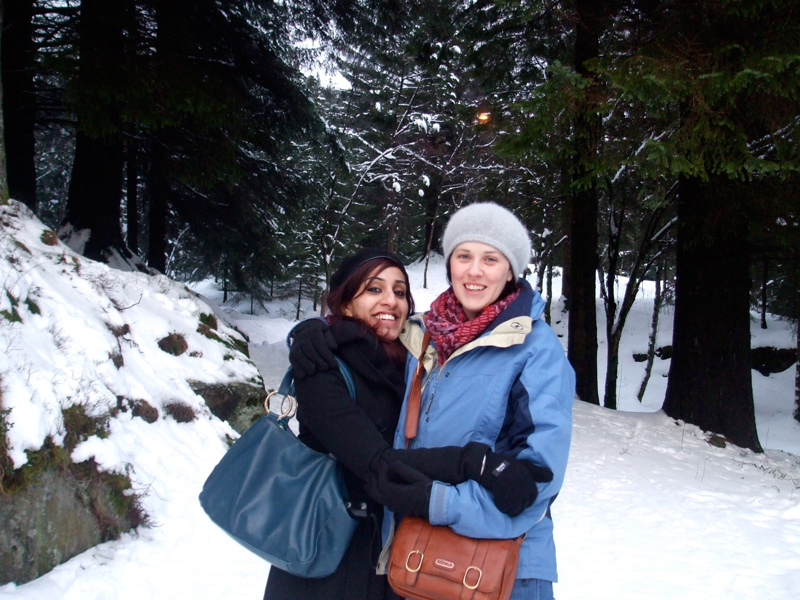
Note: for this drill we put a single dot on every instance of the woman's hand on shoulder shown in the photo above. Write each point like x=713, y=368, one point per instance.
x=312, y=349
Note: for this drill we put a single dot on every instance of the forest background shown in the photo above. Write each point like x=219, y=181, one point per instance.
x=650, y=139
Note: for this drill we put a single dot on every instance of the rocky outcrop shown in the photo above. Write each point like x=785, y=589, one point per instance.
x=767, y=359
x=238, y=403
x=52, y=509
x=55, y=516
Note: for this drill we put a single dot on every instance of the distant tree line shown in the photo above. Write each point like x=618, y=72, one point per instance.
x=650, y=139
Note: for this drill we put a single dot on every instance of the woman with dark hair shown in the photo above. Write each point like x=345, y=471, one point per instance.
x=369, y=302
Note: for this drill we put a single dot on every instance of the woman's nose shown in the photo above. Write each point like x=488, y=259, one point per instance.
x=389, y=299
x=474, y=267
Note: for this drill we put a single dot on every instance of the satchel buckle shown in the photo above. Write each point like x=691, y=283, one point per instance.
x=408, y=559
x=480, y=574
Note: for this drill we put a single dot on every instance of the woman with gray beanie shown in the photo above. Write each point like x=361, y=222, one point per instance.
x=500, y=377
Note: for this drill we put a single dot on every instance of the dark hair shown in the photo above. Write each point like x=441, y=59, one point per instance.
x=348, y=290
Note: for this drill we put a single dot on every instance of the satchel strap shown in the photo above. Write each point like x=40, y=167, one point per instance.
x=415, y=394
x=286, y=388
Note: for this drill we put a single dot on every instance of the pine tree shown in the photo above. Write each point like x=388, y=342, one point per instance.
x=708, y=70
x=419, y=152
x=3, y=177
x=92, y=224
x=19, y=109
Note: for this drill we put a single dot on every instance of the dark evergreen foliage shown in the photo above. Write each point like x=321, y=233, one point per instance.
x=612, y=126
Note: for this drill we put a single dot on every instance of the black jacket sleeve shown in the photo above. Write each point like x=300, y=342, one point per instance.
x=338, y=421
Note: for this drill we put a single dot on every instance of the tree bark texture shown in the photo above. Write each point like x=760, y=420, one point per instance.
x=3, y=172
x=797, y=364
x=651, y=342
x=132, y=193
x=582, y=333
x=710, y=382
x=95, y=188
x=94, y=193
x=171, y=42
x=158, y=195
x=19, y=104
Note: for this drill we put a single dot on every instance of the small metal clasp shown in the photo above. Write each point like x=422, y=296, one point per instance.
x=480, y=574
x=408, y=559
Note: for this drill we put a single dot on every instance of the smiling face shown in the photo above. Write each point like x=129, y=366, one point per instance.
x=478, y=274
x=381, y=303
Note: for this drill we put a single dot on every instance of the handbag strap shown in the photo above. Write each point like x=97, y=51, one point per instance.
x=286, y=388
x=415, y=394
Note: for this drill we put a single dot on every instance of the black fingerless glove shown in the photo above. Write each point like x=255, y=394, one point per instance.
x=312, y=348
x=401, y=489
x=512, y=482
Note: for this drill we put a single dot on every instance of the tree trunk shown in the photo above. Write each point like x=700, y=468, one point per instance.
x=614, y=221
x=132, y=193
x=132, y=140
x=709, y=379
x=612, y=371
x=3, y=173
x=19, y=106
x=651, y=343
x=95, y=189
x=299, y=298
x=797, y=364
x=171, y=42
x=549, y=305
x=430, y=235
x=158, y=196
x=566, y=247
x=93, y=206
x=582, y=337
x=764, y=283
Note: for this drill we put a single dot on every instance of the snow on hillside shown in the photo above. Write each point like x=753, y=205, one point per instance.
x=649, y=508
x=78, y=332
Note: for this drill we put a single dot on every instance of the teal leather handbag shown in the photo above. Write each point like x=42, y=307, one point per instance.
x=281, y=499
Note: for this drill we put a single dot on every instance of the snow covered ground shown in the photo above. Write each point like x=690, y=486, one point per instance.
x=649, y=508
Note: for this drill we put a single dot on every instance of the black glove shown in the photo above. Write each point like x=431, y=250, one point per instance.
x=312, y=348
x=400, y=488
x=448, y=464
x=512, y=482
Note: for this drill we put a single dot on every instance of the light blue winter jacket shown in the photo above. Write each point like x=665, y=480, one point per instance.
x=511, y=388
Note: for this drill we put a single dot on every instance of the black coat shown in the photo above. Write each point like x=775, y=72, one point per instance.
x=354, y=432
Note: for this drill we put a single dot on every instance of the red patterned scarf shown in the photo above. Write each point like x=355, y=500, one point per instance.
x=449, y=326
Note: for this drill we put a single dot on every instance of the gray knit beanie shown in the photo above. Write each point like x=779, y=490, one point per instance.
x=491, y=224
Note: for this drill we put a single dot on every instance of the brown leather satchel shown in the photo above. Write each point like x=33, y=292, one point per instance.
x=433, y=562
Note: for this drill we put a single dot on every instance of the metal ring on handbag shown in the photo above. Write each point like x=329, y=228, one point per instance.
x=408, y=558
x=480, y=574
x=285, y=412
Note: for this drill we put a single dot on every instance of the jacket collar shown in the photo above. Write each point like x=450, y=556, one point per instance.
x=508, y=329
x=527, y=304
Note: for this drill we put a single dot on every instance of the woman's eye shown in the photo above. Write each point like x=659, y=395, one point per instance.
x=400, y=293
x=374, y=290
